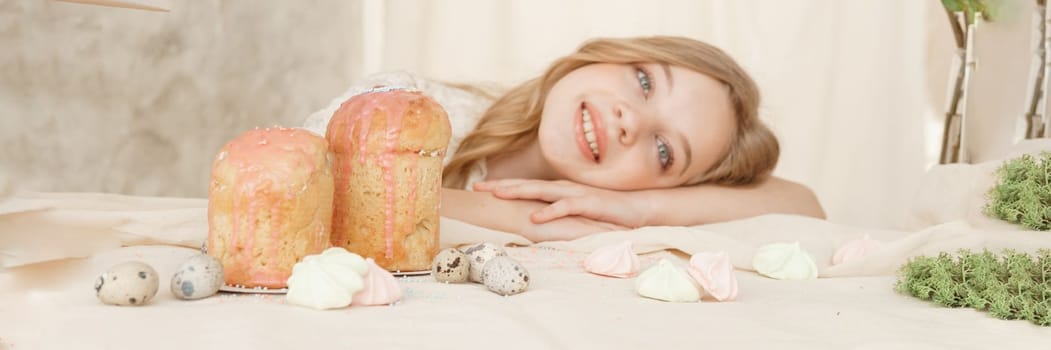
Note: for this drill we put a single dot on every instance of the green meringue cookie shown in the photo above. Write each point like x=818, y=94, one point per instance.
x=666, y=282
x=784, y=261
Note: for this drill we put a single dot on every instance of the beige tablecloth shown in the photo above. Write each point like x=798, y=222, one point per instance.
x=55, y=244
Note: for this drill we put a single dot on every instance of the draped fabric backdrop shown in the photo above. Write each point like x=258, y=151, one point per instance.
x=117, y=100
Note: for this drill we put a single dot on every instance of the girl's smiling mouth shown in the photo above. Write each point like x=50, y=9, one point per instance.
x=590, y=136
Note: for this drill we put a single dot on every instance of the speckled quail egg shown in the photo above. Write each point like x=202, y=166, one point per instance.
x=479, y=254
x=199, y=277
x=129, y=283
x=505, y=276
x=451, y=265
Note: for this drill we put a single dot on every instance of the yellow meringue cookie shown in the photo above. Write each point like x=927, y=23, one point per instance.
x=784, y=261
x=714, y=272
x=327, y=280
x=666, y=282
x=381, y=288
x=855, y=249
x=615, y=261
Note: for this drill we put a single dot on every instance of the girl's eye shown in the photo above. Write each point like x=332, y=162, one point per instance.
x=664, y=154
x=644, y=80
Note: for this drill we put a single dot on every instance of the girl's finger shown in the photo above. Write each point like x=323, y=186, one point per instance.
x=544, y=215
x=494, y=184
x=580, y=206
x=534, y=190
x=590, y=207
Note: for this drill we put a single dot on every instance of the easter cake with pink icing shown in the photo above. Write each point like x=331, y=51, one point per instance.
x=269, y=204
x=388, y=146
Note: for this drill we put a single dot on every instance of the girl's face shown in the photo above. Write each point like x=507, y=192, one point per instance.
x=641, y=126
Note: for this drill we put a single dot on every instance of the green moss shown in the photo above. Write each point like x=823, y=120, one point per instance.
x=1022, y=194
x=1009, y=286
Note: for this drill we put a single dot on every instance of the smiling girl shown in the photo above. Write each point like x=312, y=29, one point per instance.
x=629, y=132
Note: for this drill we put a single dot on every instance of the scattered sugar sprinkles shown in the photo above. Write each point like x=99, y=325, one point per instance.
x=235, y=298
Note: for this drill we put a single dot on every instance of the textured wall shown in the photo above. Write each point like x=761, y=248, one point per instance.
x=137, y=102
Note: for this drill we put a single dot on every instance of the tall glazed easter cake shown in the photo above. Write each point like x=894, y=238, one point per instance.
x=269, y=204
x=388, y=145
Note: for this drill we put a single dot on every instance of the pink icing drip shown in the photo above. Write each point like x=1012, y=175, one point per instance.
x=413, y=173
x=275, y=235
x=363, y=129
x=338, y=199
x=386, y=161
x=395, y=117
x=370, y=103
x=237, y=233
x=395, y=109
x=361, y=121
x=319, y=241
x=394, y=124
x=249, y=232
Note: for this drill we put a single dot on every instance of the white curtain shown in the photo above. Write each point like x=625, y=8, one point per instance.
x=844, y=82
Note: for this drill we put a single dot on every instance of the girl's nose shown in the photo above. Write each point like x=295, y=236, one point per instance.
x=629, y=123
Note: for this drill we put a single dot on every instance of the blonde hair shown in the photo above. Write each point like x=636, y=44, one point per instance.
x=511, y=123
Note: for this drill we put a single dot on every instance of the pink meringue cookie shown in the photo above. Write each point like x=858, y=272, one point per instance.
x=855, y=249
x=614, y=261
x=381, y=288
x=714, y=272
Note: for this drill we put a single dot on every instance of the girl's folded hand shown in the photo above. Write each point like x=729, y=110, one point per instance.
x=567, y=198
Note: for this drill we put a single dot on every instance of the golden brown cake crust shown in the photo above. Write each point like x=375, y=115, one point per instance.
x=269, y=204
x=389, y=148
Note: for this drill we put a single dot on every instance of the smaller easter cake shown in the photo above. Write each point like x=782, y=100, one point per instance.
x=269, y=205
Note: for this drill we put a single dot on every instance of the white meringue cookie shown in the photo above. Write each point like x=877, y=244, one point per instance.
x=666, y=282
x=327, y=280
x=381, y=288
x=714, y=272
x=855, y=249
x=784, y=261
x=614, y=261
